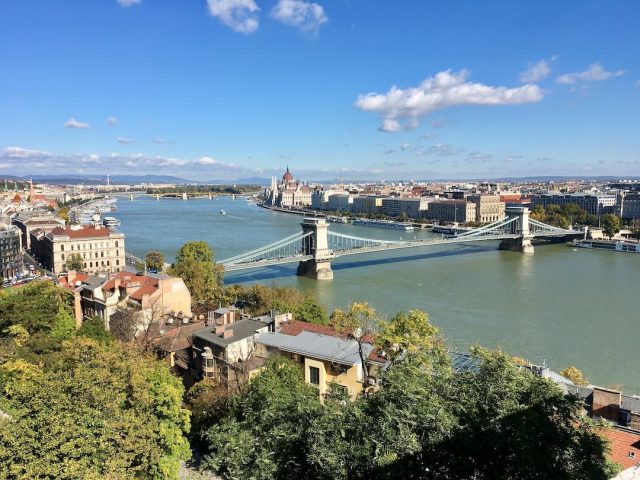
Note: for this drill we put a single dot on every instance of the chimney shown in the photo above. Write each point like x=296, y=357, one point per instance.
x=71, y=276
x=606, y=404
x=228, y=334
x=219, y=330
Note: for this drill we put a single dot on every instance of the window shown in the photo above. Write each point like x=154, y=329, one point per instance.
x=314, y=375
x=116, y=244
x=117, y=262
x=62, y=248
x=62, y=256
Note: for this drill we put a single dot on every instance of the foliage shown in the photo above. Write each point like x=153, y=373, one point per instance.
x=74, y=262
x=563, y=217
x=264, y=436
x=94, y=328
x=123, y=324
x=196, y=266
x=575, y=375
x=64, y=325
x=63, y=213
x=360, y=322
x=35, y=306
x=311, y=311
x=610, y=224
x=208, y=402
x=102, y=411
x=155, y=261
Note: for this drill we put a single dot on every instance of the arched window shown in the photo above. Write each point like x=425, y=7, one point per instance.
x=90, y=264
x=117, y=262
x=85, y=264
x=72, y=248
x=116, y=244
x=108, y=263
x=101, y=254
x=96, y=254
x=62, y=248
x=62, y=256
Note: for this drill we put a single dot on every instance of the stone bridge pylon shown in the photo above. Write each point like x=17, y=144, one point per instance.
x=520, y=227
x=316, y=245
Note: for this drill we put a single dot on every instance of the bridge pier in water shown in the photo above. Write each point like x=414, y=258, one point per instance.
x=521, y=244
x=317, y=245
x=184, y=196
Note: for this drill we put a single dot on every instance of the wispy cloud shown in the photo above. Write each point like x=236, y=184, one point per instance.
x=537, y=71
x=73, y=123
x=594, y=73
x=128, y=3
x=306, y=16
x=25, y=153
x=112, y=120
x=206, y=161
x=403, y=109
x=429, y=136
x=439, y=149
x=124, y=140
x=161, y=140
x=239, y=15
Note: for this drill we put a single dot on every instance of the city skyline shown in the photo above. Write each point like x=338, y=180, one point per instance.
x=230, y=89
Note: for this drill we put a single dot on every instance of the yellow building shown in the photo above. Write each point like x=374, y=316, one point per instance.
x=327, y=357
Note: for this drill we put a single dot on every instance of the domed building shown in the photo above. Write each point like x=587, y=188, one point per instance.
x=289, y=193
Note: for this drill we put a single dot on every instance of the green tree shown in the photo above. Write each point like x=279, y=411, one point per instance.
x=63, y=213
x=264, y=436
x=102, y=411
x=74, y=262
x=311, y=311
x=94, y=328
x=155, y=260
x=196, y=266
x=611, y=224
x=34, y=306
x=64, y=325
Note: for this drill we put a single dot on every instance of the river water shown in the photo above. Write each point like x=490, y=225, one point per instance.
x=563, y=306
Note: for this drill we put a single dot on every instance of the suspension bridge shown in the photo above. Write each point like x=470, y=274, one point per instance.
x=315, y=246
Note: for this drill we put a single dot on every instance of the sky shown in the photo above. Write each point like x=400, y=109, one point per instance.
x=336, y=90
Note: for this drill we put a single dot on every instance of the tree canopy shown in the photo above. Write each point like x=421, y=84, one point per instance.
x=195, y=264
x=611, y=224
x=155, y=260
x=97, y=411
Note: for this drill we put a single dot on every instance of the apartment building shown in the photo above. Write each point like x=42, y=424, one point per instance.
x=445, y=210
x=489, y=208
x=592, y=203
x=28, y=222
x=413, y=207
x=10, y=258
x=101, y=249
x=368, y=205
x=339, y=202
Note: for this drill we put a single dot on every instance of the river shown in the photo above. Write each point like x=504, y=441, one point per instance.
x=563, y=306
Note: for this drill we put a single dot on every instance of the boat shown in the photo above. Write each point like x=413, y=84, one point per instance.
x=111, y=222
x=626, y=246
x=222, y=212
x=449, y=230
x=336, y=219
x=404, y=226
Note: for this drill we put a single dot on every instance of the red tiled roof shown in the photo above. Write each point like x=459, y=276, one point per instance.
x=80, y=277
x=84, y=232
x=147, y=289
x=623, y=443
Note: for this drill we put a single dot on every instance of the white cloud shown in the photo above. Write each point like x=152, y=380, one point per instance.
x=160, y=140
x=73, y=123
x=124, y=140
x=206, y=161
x=537, y=71
x=439, y=149
x=112, y=120
x=306, y=16
x=19, y=152
x=128, y=3
x=402, y=109
x=169, y=162
x=594, y=73
x=240, y=15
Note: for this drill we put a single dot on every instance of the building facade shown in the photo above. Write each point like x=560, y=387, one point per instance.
x=594, y=204
x=368, y=205
x=412, y=207
x=452, y=211
x=288, y=193
x=101, y=249
x=10, y=251
x=28, y=222
x=630, y=206
x=339, y=202
x=489, y=208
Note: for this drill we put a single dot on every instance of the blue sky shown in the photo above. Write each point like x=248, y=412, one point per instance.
x=354, y=89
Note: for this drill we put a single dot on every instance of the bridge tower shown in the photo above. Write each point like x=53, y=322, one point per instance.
x=520, y=227
x=184, y=196
x=157, y=196
x=317, y=245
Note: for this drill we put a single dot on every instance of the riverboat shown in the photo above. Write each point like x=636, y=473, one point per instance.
x=611, y=245
x=336, y=219
x=452, y=230
x=111, y=222
x=404, y=226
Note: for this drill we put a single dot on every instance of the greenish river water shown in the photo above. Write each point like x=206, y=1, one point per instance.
x=562, y=305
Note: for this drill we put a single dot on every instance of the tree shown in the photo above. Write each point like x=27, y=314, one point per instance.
x=359, y=322
x=610, y=224
x=411, y=335
x=123, y=324
x=101, y=411
x=311, y=311
x=575, y=375
x=34, y=306
x=94, y=328
x=63, y=213
x=74, y=262
x=196, y=266
x=155, y=261
x=64, y=325
x=264, y=435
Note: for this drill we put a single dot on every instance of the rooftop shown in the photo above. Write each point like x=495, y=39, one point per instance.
x=82, y=232
x=242, y=329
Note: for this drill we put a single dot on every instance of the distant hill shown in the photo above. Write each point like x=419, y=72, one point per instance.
x=102, y=180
